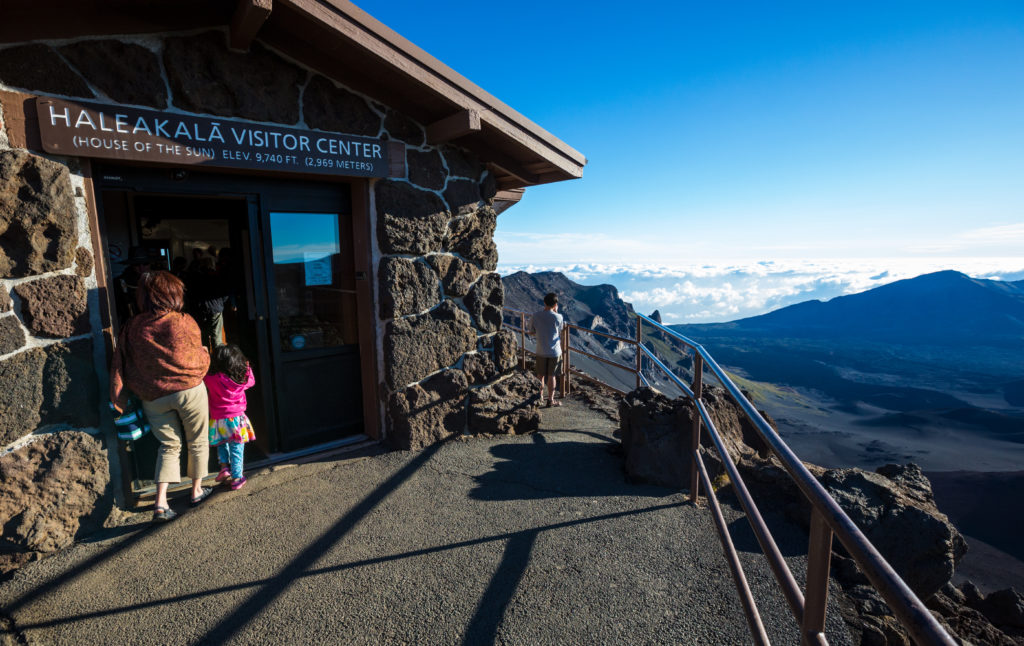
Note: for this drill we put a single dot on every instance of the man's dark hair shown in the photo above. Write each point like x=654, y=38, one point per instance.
x=551, y=299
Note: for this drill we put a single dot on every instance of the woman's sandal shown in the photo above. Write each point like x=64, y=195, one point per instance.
x=204, y=493
x=163, y=514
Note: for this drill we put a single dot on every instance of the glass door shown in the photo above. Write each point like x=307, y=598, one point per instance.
x=313, y=323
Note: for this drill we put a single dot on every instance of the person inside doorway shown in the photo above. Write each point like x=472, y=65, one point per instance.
x=547, y=326
x=127, y=282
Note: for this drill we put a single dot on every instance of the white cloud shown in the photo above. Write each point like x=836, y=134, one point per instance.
x=703, y=292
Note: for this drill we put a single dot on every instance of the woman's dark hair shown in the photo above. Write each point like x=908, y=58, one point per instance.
x=160, y=291
x=229, y=360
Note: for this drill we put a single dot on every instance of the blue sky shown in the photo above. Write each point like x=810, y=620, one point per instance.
x=879, y=140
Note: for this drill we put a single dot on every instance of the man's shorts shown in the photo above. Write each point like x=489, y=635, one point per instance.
x=547, y=366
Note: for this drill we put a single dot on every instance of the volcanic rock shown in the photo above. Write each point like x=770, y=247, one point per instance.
x=506, y=350
x=21, y=393
x=125, y=72
x=488, y=188
x=40, y=69
x=329, y=107
x=12, y=335
x=428, y=412
x=484, y=303
x=463, y=196
x=71, y=388
x=472, y=237
x=457, y=275
x=54, y=306
x=417, y=346
x=205, y=76
x=479, y=368
x=50, y=492
x=426, y=168
x=407, y=287
x=5, y=301
x=409, y=220
x=83, y=262
x=403, y=128
x=509, y=406
x=461, y=163
x=38, y=230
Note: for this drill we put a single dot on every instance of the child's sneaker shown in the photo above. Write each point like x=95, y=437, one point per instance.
x=238, y=483
x=225, y=473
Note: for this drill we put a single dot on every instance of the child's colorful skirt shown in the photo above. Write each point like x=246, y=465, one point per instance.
x=231, y=429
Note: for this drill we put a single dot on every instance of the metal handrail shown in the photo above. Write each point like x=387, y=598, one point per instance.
x=827, y=518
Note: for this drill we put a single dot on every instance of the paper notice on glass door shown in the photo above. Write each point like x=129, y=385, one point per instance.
x=318, y=268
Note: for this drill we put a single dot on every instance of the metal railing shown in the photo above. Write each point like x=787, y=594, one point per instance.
x=828, y=520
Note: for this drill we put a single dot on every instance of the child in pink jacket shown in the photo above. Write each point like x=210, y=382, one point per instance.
x=226, y=383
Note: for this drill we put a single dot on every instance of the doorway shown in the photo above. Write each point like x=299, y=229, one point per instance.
x=281, y=257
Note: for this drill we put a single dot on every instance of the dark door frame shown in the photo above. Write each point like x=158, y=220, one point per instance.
x=131, y=178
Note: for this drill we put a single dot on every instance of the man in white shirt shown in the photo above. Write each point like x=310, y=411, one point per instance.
x=547, y=325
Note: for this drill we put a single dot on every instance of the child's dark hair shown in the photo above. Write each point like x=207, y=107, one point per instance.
x=229, y=360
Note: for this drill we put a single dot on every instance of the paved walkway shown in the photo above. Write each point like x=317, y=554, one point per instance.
x=534, y=539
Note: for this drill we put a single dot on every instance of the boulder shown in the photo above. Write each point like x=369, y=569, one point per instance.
x=21, y=394
x=895, y=509
x=54, y=306
x=472, y=237
x=5, y=301
x=484, y=303
x=407, y=287
x=40, y=69
x=430, y=411
x=125, y=72
x=205, y=76
x=462, y=196
x=457, y=275
x=51, y=491
x=329, y=107
x=508, y=407
x=506, y=351
x=657, y=434
x=461, y=163
x=957, y=613
x=479, y=368
x=417, y=346
x=409, y=220
x=12, y=335
x=38, y=228
x=403, y=128
x=83, y=262
x=70, y=385
x=488, y=188
x=426, y=168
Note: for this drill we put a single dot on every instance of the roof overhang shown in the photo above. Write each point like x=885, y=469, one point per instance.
x=342, y=41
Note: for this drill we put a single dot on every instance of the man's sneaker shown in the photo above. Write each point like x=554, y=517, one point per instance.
x=238, y=483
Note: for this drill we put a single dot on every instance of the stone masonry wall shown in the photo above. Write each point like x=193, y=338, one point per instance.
x=438, y=300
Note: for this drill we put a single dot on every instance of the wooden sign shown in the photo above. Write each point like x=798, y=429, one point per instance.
x=115, y=132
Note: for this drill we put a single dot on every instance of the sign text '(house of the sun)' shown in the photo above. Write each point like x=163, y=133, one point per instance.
x=115, y=132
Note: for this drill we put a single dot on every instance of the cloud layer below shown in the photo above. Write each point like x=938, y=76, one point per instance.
x=703, y=293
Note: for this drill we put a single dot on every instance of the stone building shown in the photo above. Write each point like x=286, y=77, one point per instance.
x=347, y=182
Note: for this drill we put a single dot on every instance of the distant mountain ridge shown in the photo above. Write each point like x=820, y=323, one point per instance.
x=582, y=305
x=931, y=307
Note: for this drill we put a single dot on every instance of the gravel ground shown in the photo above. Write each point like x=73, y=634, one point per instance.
x=533, y=539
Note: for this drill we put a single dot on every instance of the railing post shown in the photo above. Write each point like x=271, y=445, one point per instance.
x=522, y=337
x=566, y=367
x=819, y=558
x=698, y=390
x=639, y=355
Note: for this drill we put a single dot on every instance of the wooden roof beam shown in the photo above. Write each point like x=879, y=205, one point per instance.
x=246, y=22
x=457, y=125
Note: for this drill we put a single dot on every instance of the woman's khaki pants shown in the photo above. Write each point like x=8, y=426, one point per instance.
x=182, y=414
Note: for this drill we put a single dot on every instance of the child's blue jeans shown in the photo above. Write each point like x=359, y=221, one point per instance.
x=232, y=453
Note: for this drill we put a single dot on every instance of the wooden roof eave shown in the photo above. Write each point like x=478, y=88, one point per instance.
x=527, y=143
